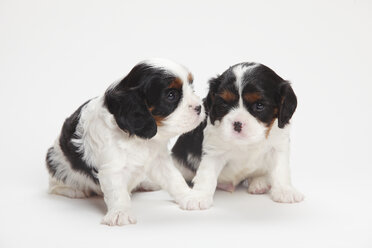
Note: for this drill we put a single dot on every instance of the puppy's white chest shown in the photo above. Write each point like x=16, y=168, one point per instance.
x=137, y=153
x=242, y=164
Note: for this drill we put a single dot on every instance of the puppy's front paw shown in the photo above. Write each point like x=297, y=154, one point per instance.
x=196, y=200
x=286, y=195
x=118, y=218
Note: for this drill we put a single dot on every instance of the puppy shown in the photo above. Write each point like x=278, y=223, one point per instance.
x=114, y=142
x=245, y=136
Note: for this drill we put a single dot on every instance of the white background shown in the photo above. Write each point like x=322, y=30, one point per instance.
x=54, y=55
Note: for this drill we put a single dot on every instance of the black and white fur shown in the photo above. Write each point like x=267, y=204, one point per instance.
x=114, y=142
x=245, y=136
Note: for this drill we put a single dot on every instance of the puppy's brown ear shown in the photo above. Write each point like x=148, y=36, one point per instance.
x=214, y=83
x=288, y=104
x=130, y=112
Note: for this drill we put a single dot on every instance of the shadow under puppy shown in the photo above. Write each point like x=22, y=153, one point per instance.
x=114, y=142
x=245, y=136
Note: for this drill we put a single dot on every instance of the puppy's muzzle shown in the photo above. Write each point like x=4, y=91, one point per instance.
x=198, y=109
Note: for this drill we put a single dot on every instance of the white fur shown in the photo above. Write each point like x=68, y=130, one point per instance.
x=239, y=71
x=123, y=162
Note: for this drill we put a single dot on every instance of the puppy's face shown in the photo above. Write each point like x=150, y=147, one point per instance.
x=156, y=97
x=247, y=100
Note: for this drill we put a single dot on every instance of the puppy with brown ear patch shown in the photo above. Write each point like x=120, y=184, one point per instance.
x=245, y=136
x=114, y=142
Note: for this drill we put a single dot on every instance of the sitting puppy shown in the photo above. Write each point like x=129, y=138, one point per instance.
x=245, y=136
x=114, y=142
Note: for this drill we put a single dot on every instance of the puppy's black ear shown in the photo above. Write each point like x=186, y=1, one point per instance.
x=288, y=104
x=214, y=83
x=130, y=111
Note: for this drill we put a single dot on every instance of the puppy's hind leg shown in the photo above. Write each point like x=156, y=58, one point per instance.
x=64, y=181
x=147, y=185
x=229, y=187
x=259, y=185
x=59, y=188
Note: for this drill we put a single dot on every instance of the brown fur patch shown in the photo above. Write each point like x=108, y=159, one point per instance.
x=228, y=96
x=190, y=78
x=270, y=125
x=252, y=97
x=158, y=119
x=276, y=112
x=176, y=84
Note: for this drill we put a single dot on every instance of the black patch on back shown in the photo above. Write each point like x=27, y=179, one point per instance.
x=190, y=143
x=70, y=150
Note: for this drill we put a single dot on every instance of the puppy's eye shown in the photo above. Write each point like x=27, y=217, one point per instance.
x=172, y=96
x=258, y=107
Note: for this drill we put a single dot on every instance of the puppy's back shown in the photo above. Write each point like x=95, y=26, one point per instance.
x=188, y=150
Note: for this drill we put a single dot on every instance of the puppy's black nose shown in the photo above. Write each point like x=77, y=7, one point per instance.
x=198, y=109
x=238, y=126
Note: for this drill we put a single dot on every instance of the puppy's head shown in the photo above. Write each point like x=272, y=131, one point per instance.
x=247, y=100
x=156, y=97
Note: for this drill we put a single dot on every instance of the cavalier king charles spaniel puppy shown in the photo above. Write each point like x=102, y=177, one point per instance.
x=113, y=143
x=244, y=137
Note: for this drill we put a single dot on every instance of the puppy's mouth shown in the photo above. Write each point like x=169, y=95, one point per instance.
x=246, y=137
